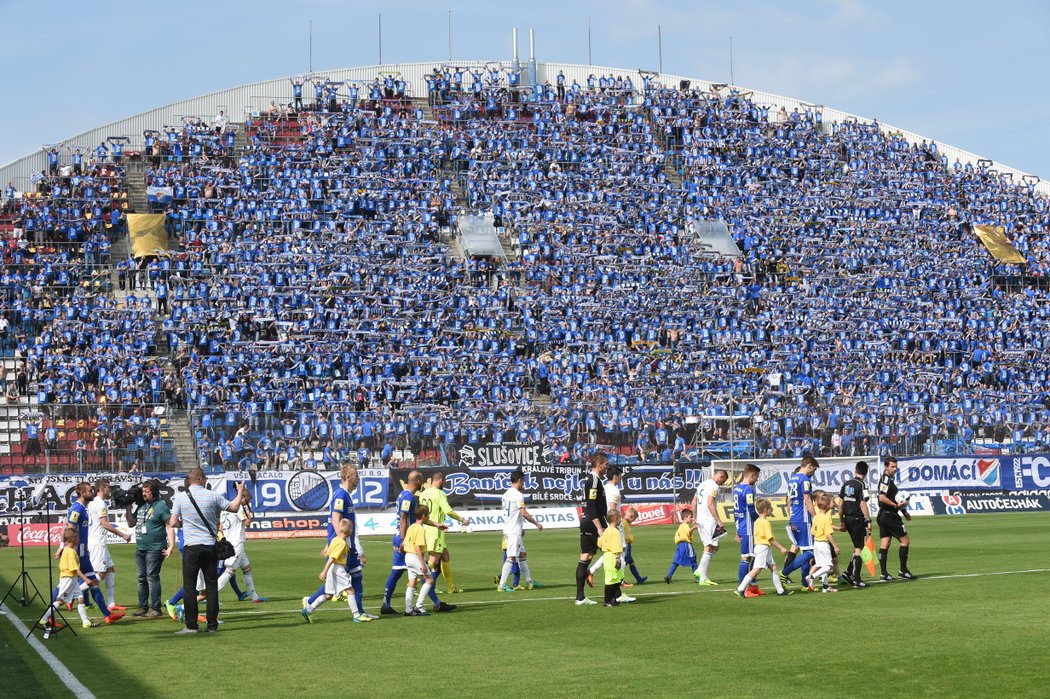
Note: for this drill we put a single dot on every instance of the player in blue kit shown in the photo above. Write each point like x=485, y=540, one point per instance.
x=406, y=516
x=342, y=507
x=744, y=515
x=77, y=520
x=800, y=512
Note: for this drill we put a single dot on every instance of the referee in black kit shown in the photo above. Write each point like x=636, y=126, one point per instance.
x=890, y=525
x=856, y=519
x=592, y=522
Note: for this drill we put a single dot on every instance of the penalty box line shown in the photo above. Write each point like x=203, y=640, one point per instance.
x=634, y=593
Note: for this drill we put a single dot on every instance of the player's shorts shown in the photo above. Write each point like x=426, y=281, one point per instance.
x=684, y=555
x=588, y=541
x=763, y=556
x=68, y=589
x=706, y=529
x=857, y=530
x=337, y=580
x=515, y=545
x=398, y=563
x=800, y=534
x=99, y=554
x=435, y=539
x=822, y=554
x=414, y=566
x=747, y=544
x=353, y=563
x=239, y=560
x=86, y=566
x=891, y=526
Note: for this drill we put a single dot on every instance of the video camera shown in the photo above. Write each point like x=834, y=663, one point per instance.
x=127, y=497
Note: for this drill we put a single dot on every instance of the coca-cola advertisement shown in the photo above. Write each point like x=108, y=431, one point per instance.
x=34, y=534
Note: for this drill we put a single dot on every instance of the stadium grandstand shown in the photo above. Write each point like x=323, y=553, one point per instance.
x=390, y=262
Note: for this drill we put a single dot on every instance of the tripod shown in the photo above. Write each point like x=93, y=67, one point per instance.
x=47, y=620
x=23, y=577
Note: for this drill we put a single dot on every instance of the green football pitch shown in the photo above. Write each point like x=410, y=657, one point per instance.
x=975, y=623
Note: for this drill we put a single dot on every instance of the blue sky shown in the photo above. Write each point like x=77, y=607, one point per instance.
x=970, y=74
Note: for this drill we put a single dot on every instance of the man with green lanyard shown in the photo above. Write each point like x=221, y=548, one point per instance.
x=154, y=541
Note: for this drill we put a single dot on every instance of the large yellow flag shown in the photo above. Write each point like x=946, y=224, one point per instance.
x=994, y=238
x=146, y=234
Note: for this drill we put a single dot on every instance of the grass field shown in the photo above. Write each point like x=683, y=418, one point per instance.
x=975, y=623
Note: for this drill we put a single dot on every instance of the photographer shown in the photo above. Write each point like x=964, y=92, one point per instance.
x=152, y=532
x=197, y=511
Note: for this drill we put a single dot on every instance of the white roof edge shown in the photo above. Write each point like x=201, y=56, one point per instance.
x=208, y=103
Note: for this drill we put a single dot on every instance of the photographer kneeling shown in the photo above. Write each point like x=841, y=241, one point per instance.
x=152, y=532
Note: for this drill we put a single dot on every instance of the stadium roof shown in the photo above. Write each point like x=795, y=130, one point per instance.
x=243, y=100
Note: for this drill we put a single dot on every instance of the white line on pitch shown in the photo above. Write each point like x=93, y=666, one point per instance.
x=68, y=678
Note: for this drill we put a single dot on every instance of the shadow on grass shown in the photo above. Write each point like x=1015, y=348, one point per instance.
x=98, y=667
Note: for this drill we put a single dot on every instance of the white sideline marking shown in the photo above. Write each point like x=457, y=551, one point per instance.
x=338, y=606
x=68, y=678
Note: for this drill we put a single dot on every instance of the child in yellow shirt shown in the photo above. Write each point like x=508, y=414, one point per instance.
x=628, y=552
x=823, y=543
x=335, y=576
x=764, y=539
x=611, y=543
x=684, y=555
x=415, y=547
x=71, y=582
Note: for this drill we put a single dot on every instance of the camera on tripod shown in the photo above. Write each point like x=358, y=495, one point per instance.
x=122, y=497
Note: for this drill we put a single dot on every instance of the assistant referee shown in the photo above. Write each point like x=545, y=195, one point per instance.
x=592, y=522
x=855, y=519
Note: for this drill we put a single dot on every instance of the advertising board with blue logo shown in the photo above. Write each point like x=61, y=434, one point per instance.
x=961, y=503
x=306, y=491
x=960, y=472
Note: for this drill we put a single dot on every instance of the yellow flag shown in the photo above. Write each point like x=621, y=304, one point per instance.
x=146, y=234
x=994, y=238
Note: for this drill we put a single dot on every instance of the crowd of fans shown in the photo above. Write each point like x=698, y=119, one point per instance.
x=314, y=311
x=85, y=358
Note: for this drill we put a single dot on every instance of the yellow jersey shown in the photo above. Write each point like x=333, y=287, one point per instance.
x=610, y=542
x=822, y=526
x=415, y=538
x=69, y=563
x=337, y=550
x=763, y=532
x=684, y=533
x=627, y=535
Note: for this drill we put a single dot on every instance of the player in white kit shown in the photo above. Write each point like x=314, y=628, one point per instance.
x=709, y=523
x=514, y=517
x=234, y=527
x=99, y=527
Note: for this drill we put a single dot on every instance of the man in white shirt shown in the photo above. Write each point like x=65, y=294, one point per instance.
x=199, y=523
x=98, y=546
x=234, y=526
x=514, y=512
x=709, y=522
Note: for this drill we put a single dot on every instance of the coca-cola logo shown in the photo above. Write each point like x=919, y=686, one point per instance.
x=34, y=534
